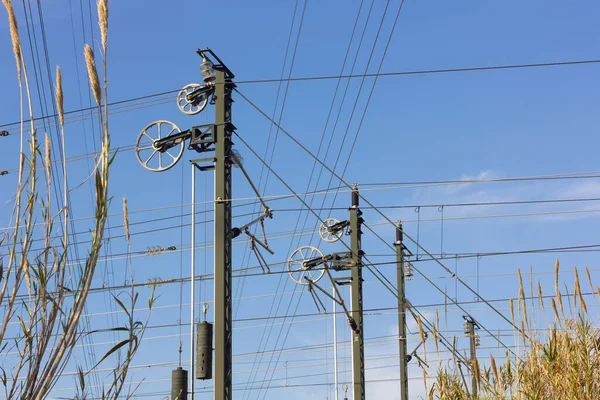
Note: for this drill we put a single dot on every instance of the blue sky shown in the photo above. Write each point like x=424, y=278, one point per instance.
x=434, y=127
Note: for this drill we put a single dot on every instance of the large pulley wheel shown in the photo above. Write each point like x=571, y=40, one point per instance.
x=298, y=269
x=191, y=107
x=149, y=154
x=325, y=232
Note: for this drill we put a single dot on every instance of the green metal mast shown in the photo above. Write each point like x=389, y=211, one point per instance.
x=401, y=312
x=358, y=349
x=223, y=236
x=470, y=331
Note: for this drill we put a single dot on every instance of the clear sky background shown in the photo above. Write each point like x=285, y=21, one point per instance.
x=412, y=129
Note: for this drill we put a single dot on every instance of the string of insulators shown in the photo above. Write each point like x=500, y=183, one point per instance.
x=155, y=250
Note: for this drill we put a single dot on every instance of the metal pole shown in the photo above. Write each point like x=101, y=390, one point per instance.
x=192, y=281
x=472, y=345
x=222, y=268
x=356, y=300
x=335, y=359
x=401, y=312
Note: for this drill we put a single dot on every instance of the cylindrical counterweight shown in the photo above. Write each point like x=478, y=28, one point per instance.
x=204, y=348
x=179, y=378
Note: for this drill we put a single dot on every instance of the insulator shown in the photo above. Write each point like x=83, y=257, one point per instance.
x=206, y=69
x=408, y=274
x=204, y=333
x=467, y=328
x=179, y=378
x=355, y=197
x=477, y=340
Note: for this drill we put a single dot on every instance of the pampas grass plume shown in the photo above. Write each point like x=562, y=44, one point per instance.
x=103, y=21
x=14, y=34
x=90, y=64
x=60, y=97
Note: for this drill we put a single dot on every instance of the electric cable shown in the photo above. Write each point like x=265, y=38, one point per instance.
x=353, y=76
x=369, y=203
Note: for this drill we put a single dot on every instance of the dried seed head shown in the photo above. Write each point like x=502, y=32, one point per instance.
x=103, y=21
x=512, y=310
x=578, y=292
x=556, y=310
x=47, y=156
x=59, y=97
x=126, y=219
x=90, y=64
x=556, y=287
x=435, y=339
x=589, y=278
x=422, y=334
x=14, y=35
x=494, y=369
x=477, y=372
x=540, y=295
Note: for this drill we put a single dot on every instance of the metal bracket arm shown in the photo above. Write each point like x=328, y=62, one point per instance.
x=254, y=239
x=168, y=142
x=266, y=208
x=335, y=228
x=338, y=299
x=335, y=258
x=259, y=257
x=194, y=96
x=237, y=231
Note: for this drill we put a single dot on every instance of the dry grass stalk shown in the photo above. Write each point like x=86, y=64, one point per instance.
x=494, y=368
x=522, y=297
x=556, y=286
x=554, y=308
x=512, y=310
x=60, y=97
x=14, y=35
x=540, y=295
x=477, y=372
x=423, y=337
x=589, y=278
x=126, y=220
x=578, y=292
x=90, y=64
x=435, y=339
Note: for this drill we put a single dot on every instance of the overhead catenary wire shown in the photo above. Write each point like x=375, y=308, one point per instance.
x=341, y=180
x=423, y=319
x=353, y=76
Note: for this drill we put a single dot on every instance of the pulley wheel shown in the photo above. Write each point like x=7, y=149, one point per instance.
x=149, y=155
x=297, y=265
x=187, y=107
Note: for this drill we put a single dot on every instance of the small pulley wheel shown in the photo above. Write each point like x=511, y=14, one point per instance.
x=191, y=107
x=325, y=232
x=149, y=155
x=298, y=269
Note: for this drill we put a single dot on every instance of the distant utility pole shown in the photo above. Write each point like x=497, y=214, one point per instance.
x=356, y=301
x=470, y=331
x=403, y=355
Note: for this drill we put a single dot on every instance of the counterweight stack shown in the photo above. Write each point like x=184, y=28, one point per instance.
x=204, y=338
x=179, y=379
